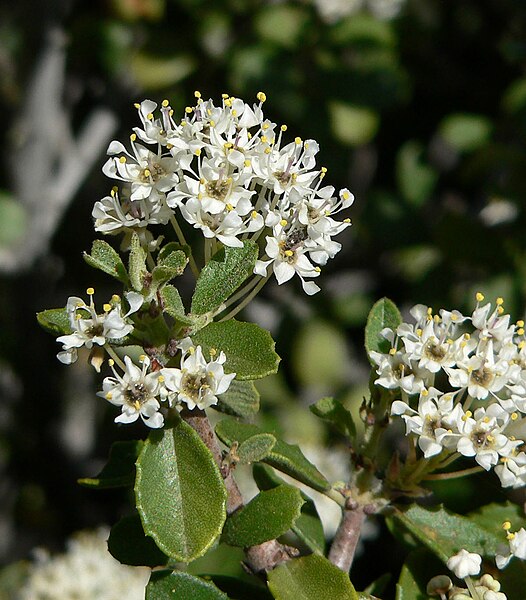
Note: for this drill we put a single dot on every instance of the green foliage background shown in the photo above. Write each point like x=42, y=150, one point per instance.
x=423, y=117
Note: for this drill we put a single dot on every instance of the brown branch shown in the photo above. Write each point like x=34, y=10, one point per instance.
x=260, y=558
x=348, y=534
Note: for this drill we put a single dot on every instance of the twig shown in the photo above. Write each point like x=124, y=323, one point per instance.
x=348, y=534
x=260, y=558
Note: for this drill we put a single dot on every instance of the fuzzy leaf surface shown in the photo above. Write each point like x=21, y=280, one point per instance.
x=105, y=258
x=267, y=516
x=287, y=458
x=222, y=276
x=177, y=585
x=249, y=349
x=180, y=493
x=54, y=321
x=310, y=578
x=241, y=399
x=137, y=263
x=173, y=305
x=255, y=448
x=336, y=414
x=383, y=314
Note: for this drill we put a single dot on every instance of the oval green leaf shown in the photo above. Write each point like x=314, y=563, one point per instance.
x=255, y=448
x=241, y=399
x=55, y=321
x=180, y=493
x=130, y=546
x=383, y=314
x=267, y=516
x=287, y=458
x=176, y=585
x=105, y=258
x=249, y=349
x=310, y=578
x=222, y=276
x=119, y=471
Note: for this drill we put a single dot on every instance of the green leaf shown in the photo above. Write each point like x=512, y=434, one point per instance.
x=170, y=266
x=239, y=589
x=249, y=349
x=445, y=533
x=351, y=124
x=267, y=516
x=416, y=179
x=176, y=585
x=418, y=569
x=130, y=546
x=222, y=276
x=383, y=314
x=492, y=516
x=308, y=525
x=137, y=263
x=241, y=399
x=119, y=471
x=336, y=414
x=105, y=258
x=310, y=578
x=55, y=321
x=285, y=457
x=466, y=132
x=174, y=306
x=255, y=448
x=180, y=493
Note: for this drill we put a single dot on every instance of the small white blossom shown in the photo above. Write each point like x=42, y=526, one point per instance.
x=464, y=563
x=516, y=547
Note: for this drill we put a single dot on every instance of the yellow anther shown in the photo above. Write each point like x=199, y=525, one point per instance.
x=191, y=350
x=212, y=351
x=78, y=317
x=297, y=140
x=234, y=112
x=111, y=362
x=454, y=317
x=306, y=145
x=133, y=137
x=392, y=351
x=116, y=298
x=429, y=310
x=506, y=525
x=225, y=96
x=514, y=416
x=479, y=297
x=467, y=336
x=264, y=139
x=198, y=152
x=463, y=344
x=499, y=301
x=109, y=395
x=147, y=172
x=254, y=214
x=265, y=126
x=437, y=319
x=188, y=110
x=347, y=220
x=486, y=419
x=169, y=146
x=149, y=116
x=510, y=536
x=247, y=163
x=171, y=113
x=228, y=102
x=261, y=96
x=113, y=192
x=106, y=307
x=165, y=103
x=425, y=392
x=500, y=310
x=419, y=332
x=520, y=323
x=469, y=414
x=90, y=291
x=267, y=150
x=142, y=357
x=229, y=207
x=197, y=94
x=283, y=222
x=317, y=269
x=283, y=128
x=212, y=123
x=184, y=123
x=520, y=331
x=521, y=344
x=227, y=145
x=289, y=253
x=137, y=105
x=450, y=341
x=160, y=379
x=122, y=159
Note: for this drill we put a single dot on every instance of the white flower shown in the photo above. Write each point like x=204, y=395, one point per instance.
x=197, y=382
x=516, y=547
x=464, y=563
x=86, y=571
x=91, y=328
x=136, y=391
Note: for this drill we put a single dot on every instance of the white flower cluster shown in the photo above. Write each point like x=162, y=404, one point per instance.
x=515, y=546
x=85, y=572
x=140, y=391
x=227, y=171
x=445, y=364
x=90, y=328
